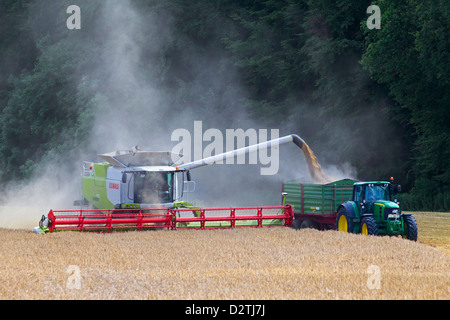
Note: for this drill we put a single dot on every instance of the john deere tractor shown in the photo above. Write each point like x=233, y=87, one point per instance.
x=373, y=211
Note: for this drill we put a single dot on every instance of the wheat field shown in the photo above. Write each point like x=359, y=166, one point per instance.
x=434, y=229
x=265, y=263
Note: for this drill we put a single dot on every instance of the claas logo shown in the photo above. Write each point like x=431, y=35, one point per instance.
x=114, y=186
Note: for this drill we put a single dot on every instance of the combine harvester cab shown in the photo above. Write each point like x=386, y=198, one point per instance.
x=350, y=206
x=142, y=190
x=132, y=180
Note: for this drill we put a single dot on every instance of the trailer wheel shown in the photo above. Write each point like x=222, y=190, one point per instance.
x=343, y=221
x=310, y=224
x=369, y=226
x=296, y=224
x=411, y=228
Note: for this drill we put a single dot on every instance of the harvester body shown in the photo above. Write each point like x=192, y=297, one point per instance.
x=350, y=206
x=141, y=190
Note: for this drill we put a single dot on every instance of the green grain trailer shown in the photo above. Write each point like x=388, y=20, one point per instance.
x=316, y=205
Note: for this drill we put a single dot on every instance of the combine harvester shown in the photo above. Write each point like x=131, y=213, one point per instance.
x=144, y=190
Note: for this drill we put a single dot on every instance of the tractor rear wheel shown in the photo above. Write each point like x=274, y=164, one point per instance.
x=411, y=228
x=369, y=226
x=343, y=221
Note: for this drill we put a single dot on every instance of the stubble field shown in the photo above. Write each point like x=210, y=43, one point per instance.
x=267, y=263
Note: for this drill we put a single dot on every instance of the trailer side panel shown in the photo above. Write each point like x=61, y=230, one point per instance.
x=318, y=202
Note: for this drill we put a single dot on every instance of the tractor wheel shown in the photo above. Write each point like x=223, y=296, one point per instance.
x=296, y=224
x=343, y=221
x=411, y=228
x=369, y=226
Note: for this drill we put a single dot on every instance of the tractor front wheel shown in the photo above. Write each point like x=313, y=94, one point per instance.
x=369, y=226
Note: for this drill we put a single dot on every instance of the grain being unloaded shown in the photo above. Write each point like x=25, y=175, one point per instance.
x=314, y=167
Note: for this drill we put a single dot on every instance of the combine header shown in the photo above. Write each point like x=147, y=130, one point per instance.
x=170, y=219
x=142, y=190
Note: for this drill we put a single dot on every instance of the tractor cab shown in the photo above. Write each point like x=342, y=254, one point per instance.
x=368, y=195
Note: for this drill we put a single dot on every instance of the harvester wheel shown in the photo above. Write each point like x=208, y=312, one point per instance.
x=369, y=226
x=343, y=221
x=411, y=228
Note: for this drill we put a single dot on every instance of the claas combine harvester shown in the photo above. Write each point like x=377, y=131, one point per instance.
x=141, y=190
x=145, y=190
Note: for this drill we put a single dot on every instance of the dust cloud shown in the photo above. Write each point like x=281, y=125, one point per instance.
x=24, y=203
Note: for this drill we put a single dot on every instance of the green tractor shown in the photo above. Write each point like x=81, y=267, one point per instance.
x=373, y=211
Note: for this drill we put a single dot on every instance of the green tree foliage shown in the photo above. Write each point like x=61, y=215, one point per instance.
x=41, y=109
x=411, y=56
